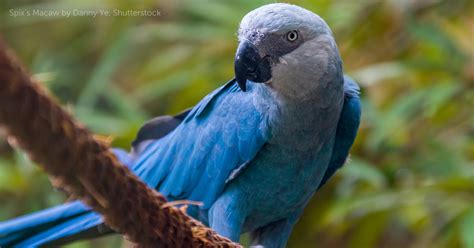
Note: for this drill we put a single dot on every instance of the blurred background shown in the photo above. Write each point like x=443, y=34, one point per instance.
x=410, y=181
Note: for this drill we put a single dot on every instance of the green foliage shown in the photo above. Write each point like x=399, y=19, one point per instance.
x=410, y=181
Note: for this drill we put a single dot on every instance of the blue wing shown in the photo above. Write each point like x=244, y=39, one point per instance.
x=346, y=128
x=221, y=133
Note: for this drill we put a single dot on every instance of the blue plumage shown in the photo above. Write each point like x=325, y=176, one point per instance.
x=195, y=165
x=253, y=151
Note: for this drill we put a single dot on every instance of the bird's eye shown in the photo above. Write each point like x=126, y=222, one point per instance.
x=292, y=36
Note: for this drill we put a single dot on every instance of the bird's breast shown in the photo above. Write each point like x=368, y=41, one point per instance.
x=278, y=182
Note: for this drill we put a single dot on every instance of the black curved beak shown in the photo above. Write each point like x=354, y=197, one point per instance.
x=249, y=65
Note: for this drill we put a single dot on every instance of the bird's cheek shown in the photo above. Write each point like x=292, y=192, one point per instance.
x=280, y=72
x=282, y=77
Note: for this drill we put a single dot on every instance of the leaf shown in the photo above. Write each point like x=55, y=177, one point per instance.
x=104, y=70
x=431, y=33
x=364, y=171
x=467, y=229
x=376, y=73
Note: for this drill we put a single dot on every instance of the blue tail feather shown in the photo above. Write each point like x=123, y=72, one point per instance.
x=55, y=224
x=42, y=218
x=65, y=229
x=25, y=226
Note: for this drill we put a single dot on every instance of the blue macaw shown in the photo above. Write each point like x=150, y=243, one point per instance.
x=254, y=151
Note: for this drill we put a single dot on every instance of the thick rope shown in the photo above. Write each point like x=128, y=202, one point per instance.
x=87, y=169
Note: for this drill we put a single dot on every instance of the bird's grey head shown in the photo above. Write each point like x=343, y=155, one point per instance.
x=288, y=48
